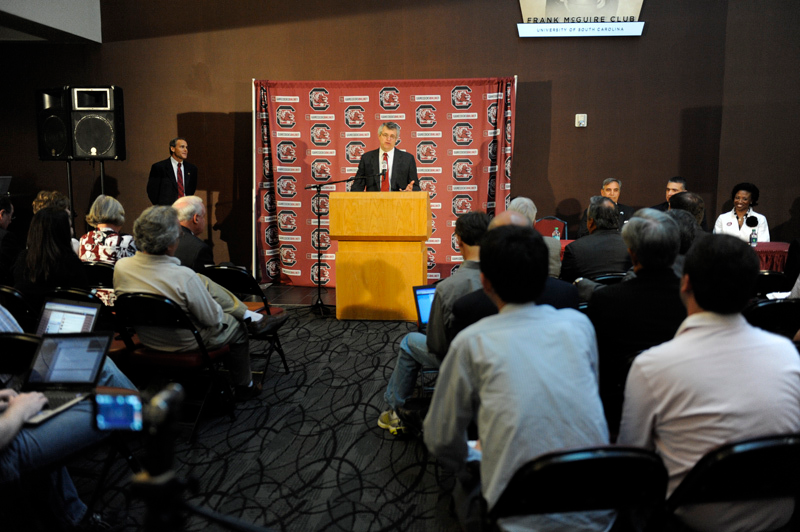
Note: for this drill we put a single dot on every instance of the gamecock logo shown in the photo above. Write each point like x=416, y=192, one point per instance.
x=286, y=151
x=269, y=202
x=454, y=244
x=493, y=151
x=462, y=204
x=353, y=151
x=426, y=116
x=264, y=98
x=288, y=255
x=319, y=204
x=508, y=132
x=318, y=99
x=390, y=98
x=508, y=168
x=462, y=170
x=321, y=134
x=461, y=97
x=284, y=115
x=273, y=268
x=287, y=221
x=492, y=187
x=426, y=152
x=321, y=273
x=491, y=114
x=428, y=184
x=265, y=167
x=271, y=236
x=462, y=133
x=431, y=258
x=321, y=239
x=354, y=117
x=321, y=170
x=287, y=186
x=265, y=132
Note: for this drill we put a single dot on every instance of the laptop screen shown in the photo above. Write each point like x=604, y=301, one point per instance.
x=69, y=358
x=423, y=297
x=64, y=316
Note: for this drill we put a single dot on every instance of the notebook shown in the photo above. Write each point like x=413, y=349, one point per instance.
x=67, y=316
x=423, y=299
x=66, y=369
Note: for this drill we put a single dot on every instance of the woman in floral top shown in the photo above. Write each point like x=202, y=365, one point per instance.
x=106, y=243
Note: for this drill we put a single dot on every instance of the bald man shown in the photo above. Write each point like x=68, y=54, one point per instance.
x=476, y=305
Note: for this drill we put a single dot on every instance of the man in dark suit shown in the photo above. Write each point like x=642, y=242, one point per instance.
x=674, y=186
x=372, y=169
x=635, y=315
x=192, y=252
x=9, y=243
x=163, y=186
x=611, y=189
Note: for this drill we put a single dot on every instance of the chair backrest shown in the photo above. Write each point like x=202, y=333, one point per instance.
x=779, y=316
x=609, y=278
x=99, y=274
x=105, y=321
x=236, y=280
x=17, y=352
x=770, y=281
x=609, y=477
x=760, y=468
x=11, y=299
x=546, y=225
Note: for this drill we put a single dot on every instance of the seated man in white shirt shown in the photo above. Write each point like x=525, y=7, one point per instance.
x=718, y=381
x=527, y=375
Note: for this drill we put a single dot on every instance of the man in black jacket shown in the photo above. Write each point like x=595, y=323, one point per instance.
x=386, y=168
x=192, y=252
x=172, y=178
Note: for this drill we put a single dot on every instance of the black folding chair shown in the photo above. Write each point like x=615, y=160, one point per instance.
x=12, y=300
x=242, y=284
x=780, y=316
x=770, y=281
x=630, y=480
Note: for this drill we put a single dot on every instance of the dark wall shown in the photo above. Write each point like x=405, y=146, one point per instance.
x=710, y=92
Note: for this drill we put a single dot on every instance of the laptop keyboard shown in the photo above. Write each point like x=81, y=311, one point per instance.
x=56, y=399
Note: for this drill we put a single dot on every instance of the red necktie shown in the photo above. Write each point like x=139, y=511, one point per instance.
x=181, y=191
x=385, y=182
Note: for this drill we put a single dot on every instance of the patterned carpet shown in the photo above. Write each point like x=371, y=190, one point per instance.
x=307, y=455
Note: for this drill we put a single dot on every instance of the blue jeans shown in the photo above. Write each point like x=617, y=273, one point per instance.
x=35, y=450
x=413, y=356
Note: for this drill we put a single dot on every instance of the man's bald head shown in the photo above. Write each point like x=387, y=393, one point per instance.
x=509, y=218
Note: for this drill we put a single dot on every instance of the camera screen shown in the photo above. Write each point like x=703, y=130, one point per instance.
x=118, y=412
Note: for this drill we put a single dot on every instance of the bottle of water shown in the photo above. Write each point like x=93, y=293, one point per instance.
x=556, y=234
x=753, y=238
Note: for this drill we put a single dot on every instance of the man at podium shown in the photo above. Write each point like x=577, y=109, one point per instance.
x=376, y=165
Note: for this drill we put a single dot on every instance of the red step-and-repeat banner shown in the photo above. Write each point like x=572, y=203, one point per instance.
x=461, y=132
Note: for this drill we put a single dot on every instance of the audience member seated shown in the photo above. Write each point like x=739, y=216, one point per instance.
x=602, y=250
x=192, y=252
x=106, y=243
x=692, y=203
x=527, y=375
x=689, y=231
x=720, y=380
x=219, y=315
x=644, y=311
x=742, y=220
x=428, y=350
x=49, y=261
x=528, y=208
x=477, y=305
x=9, y=243
x=28, y=454
x=54, y=198
x=611, y=189
x=674, y=186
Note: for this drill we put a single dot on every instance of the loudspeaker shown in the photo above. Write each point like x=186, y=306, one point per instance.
x=81, y=123
x=54, y=125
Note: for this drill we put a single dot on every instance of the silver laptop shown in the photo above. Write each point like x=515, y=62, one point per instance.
x=66, y=369
x=66, y=316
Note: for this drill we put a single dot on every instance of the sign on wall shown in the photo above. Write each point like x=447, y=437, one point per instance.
x=580, y=18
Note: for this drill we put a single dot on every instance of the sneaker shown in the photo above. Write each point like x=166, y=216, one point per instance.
x=390, y=421
x=245, y=393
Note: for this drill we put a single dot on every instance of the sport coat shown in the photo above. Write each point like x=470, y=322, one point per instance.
x=601, y=252
x=162, y=187
x=193, y=252
x=404, y=171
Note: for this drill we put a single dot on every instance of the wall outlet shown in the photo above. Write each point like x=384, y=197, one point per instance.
x=580, y=120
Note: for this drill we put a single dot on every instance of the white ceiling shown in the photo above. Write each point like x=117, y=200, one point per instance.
x=50, y=20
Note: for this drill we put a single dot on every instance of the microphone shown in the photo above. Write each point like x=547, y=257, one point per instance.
x=751, y=221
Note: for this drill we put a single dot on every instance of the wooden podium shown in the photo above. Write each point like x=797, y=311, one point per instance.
x=382, y=252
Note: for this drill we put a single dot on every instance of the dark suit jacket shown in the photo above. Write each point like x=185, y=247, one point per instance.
x=476, y=305
x=162, y=187
x=625, y=214
x=404, y=171
x=600, y=252
x=193, y=252
x=9, y=249
x=628, y=318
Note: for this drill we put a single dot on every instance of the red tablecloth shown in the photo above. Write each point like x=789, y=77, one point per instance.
x=773, y=255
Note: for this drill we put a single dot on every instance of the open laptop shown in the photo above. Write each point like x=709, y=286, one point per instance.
x=423, y=299
x=66, y=369
x=66, y=316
